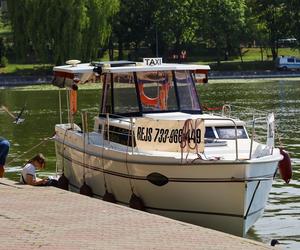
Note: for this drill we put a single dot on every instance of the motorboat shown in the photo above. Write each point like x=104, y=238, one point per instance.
x=152, y=147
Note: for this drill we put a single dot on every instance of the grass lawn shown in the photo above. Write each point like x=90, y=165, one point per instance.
x=27, y=69
x=251, y=61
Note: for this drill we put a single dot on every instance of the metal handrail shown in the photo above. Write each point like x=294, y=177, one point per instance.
x=131, y=130
x=235, y=126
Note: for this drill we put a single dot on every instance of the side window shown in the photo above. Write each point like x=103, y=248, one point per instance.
x=209, y=133
x=124, y=95
x=229, y=132
x=291, y=60
x=119, y=135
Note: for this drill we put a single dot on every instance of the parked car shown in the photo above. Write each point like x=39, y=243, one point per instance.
x=287, y=42
x=287, y=63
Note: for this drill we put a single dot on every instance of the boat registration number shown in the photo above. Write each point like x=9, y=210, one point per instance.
x=167, y=135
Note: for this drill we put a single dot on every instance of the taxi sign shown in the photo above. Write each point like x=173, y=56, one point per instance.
x=152, y=61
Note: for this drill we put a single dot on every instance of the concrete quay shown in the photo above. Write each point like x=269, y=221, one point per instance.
x=51, y=218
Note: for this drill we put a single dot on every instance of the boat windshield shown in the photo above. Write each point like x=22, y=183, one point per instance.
x=124, y=94
x=187, y=95
x=156, y=90
x=152, y=91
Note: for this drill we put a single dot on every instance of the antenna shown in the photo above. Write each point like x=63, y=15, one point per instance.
x=73, y=62
x=156, y=41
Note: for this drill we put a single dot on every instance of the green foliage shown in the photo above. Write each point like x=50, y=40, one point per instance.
x=134, y=26
x=57, y=30
x=174, y=22
x=276, y=20
x=221, y=23
x=3, y=62
x=27, y=69
x=292, y=15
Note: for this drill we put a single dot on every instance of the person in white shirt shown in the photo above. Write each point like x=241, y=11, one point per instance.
x=28, y=174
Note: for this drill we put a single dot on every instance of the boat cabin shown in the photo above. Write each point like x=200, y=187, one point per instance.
x=133, y=89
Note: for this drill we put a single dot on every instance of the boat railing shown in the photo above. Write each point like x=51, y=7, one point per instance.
x=263, y=121
x=126, y=131
x=235, y=128
x=259, y=119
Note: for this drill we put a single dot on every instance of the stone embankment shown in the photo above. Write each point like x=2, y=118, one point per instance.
x=12, y=81
x=252, y=74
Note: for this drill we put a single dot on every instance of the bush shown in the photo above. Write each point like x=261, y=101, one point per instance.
x=3, y=62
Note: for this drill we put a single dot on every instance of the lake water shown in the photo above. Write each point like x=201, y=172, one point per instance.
x=281, y=218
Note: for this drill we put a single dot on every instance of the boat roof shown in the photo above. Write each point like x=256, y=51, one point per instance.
x=78, y=68
x=114, y=67
x=162, y=67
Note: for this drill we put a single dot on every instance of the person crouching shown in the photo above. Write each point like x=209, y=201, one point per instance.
x=4, y=148
x=28, y=174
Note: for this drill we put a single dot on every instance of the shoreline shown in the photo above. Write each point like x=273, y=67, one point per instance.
x=15, y=81
x=215, y=75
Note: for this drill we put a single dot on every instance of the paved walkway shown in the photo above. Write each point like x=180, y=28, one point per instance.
x=50, y=218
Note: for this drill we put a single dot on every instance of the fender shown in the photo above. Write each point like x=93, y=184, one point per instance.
x=285, y=166
x=73, y=101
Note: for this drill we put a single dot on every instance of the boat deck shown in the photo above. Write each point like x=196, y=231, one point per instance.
x=51, y=218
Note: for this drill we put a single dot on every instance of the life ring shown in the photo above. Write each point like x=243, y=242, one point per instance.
x=160, y=100
x=285, y=166
x=146, y=100
x=163, y=96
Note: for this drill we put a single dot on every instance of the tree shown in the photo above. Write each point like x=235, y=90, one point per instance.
x=272, y=17
x=57, y=30
x=221, y=23
x=292, y=15
x=161, y=25
x=134, y=24
x=255, y=31
x=175, y=24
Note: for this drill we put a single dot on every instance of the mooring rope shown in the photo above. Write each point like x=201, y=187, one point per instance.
x=32, y=148
x=188, y=127
x=129, y=139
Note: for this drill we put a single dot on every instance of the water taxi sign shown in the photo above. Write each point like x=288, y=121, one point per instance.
x=172, y=136
x=152, y=61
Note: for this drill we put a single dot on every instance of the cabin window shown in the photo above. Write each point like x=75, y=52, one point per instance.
x=188, y=98
x=119, y=135
x=209, y=133
x=156, y=90
x=124, y=94
x=229, y=132
x=291, y=60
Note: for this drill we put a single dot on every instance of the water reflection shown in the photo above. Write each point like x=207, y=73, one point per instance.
x=281, y=219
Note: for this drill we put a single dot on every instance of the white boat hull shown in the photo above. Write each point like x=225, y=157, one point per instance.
x=224, y=195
